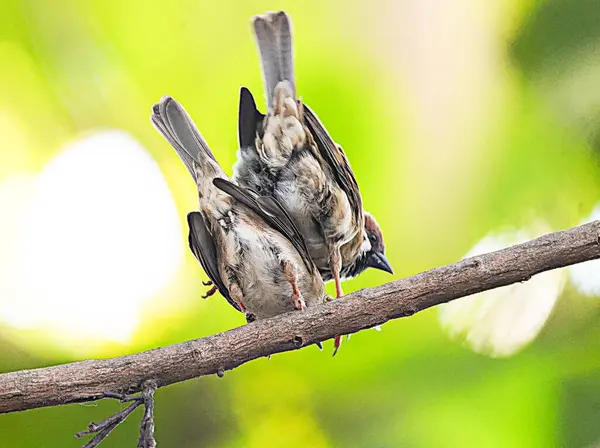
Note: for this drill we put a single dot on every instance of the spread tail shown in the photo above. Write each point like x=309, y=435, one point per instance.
x=176, y=126
x=273, y=32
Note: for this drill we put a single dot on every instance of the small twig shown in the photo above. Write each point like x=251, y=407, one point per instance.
x=122, y=398
x=147, y=426
x=106, y=426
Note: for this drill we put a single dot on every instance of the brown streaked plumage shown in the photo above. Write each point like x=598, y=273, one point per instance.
x=289, y=154
x=247, y=244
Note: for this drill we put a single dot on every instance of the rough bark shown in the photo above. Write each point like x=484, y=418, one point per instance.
x=88, y=380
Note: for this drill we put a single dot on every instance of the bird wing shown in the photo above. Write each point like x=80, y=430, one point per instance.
x=272, y=212
x=203, y=247
x=335, y=158
x=249, y=119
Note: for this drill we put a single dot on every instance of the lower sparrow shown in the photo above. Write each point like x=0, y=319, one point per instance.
x=247, y=244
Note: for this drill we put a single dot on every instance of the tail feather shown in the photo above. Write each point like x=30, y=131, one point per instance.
x=173, y=122
x=274, y=38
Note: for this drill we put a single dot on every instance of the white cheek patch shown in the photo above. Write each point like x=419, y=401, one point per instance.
x=366, y=244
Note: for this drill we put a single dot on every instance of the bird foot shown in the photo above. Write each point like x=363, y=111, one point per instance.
x=210, y=292
x=339, y=293
x=299, y=303
x=337, y=342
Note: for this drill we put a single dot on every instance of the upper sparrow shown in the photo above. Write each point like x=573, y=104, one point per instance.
x=289, y=154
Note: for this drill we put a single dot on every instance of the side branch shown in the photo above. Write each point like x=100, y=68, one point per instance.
x=89, y=380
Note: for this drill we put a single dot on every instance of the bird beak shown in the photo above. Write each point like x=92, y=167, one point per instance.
x=377, y=260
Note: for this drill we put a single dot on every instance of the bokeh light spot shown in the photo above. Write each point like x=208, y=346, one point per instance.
x=99, y=235
x=500, y=322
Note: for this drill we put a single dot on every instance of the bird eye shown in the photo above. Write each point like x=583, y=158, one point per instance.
x=372, y=238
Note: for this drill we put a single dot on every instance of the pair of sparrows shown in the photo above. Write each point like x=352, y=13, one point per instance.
x=292, y=218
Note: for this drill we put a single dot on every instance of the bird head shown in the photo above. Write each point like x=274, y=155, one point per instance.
x=375, y=250
x=371, y=253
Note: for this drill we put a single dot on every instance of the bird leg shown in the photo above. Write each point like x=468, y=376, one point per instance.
x=236, y=294
x=335, y=263
x=338, y=285
x=291, y=275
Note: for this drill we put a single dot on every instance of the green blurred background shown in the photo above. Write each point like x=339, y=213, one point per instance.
x=461, y=120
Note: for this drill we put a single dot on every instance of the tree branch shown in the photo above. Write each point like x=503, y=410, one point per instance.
x=89, y=380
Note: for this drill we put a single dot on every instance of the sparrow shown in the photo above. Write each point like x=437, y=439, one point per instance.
x=246, y=243
x=287, y=153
